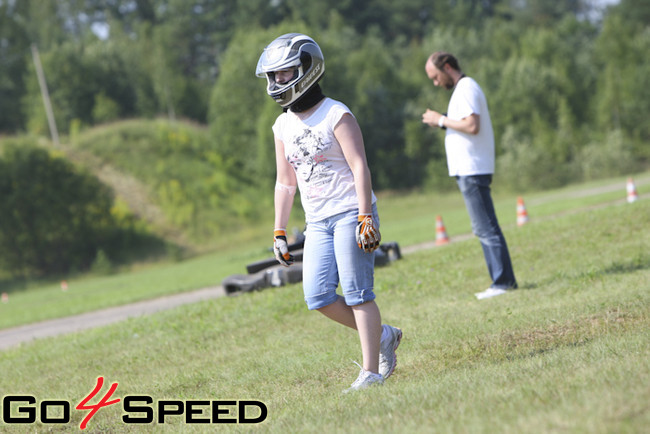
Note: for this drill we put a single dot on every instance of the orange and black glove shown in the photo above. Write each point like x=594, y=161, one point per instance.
x=368, y=236
x=281, y=247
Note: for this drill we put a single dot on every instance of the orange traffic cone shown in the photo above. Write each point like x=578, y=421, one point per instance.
x=5, y=297
x=441, y=232
x=522, y=214
x=632, y=195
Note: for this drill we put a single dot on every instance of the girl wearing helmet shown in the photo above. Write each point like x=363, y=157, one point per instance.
x=319, y=149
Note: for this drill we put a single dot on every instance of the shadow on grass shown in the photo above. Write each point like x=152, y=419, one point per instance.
x=639, y=262
x=633, y=264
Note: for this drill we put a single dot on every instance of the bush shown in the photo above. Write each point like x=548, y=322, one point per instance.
x=524, y=165
x=102, y=265
x=613, y=157
x=53, y=217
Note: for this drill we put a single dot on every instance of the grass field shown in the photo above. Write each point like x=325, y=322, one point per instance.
x=408, y=219
x=567, y=352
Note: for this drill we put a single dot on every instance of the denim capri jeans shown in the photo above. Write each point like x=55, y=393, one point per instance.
x=331, y=256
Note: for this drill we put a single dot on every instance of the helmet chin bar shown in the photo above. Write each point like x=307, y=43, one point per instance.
x=273, y=87
x=303, y=86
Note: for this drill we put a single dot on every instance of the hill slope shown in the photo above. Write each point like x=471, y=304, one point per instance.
x=170, y=175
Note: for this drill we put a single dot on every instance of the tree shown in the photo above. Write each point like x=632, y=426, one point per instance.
x=14, y=44
x=623, y=91
x=236, y=103
x=377, y=102
x=76, y=75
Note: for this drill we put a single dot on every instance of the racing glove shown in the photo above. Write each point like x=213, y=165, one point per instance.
x=281, y=247
x=368, y=236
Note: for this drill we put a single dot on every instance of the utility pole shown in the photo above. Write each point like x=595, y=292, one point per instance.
x=46, y=96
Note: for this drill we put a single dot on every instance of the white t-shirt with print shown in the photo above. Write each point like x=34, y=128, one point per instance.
x=469, y=154
x=324, y=177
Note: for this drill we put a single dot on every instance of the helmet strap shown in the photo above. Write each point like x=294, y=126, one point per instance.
x=308, y=100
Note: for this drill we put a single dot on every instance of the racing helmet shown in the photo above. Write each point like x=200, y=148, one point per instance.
x=292, y=50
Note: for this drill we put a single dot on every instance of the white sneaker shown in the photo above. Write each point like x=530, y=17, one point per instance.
x=490, y=292
x=364, y=380
x=387, y=357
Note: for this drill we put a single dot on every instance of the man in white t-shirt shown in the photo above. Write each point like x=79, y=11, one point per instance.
x=469, y=144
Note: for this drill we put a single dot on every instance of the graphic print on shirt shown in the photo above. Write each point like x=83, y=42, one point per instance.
x=309, y=161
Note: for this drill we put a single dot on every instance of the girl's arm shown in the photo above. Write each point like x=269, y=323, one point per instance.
x=348, y=134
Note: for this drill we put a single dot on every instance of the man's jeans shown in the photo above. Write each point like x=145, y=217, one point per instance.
x=476, y=192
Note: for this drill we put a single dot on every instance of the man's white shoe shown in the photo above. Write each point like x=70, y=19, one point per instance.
x=387, y=357
x=490, y=292
x=364, y=380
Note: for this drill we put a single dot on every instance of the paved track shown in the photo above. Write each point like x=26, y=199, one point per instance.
x=16, y=335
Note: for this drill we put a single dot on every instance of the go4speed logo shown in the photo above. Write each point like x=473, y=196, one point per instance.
x=137, y=409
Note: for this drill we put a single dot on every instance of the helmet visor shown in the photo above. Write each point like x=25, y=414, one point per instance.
x=279, y=55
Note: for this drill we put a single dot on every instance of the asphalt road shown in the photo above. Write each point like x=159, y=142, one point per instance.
x=16, y=335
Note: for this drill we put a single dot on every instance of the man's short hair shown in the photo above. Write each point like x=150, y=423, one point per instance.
x=440, y=58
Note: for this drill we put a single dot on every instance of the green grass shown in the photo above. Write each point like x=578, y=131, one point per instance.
x=567, y=352
x=406, y=218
